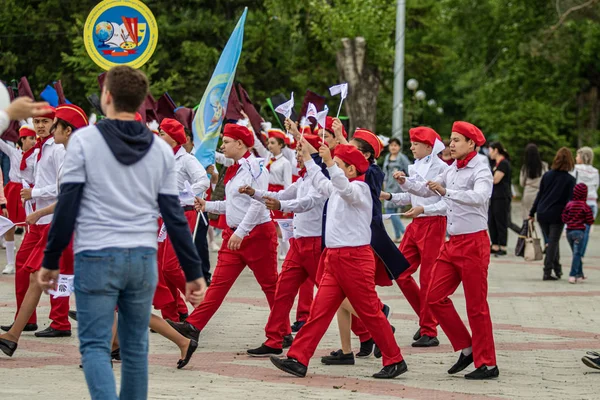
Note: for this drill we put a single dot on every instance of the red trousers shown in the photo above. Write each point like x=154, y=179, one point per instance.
x=305, y=298
x=464, y=258
x=349, y=272
x=173, y=275
x=29, y=260
x=421, y=245
x=299, y=270
x=259, y=252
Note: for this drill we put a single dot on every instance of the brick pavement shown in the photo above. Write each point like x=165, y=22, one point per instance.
x=541, y=329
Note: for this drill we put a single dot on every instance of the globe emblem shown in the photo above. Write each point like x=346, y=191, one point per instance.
x=104, y=32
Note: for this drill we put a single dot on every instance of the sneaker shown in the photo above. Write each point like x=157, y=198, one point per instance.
x=9, y=269
x=392, y=371
x=297, y=325
x=592, y=362
x=572, y=279
x=264, y=351
x=338, y=358
x=290, y=365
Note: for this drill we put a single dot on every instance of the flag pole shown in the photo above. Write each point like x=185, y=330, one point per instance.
x=340, y=108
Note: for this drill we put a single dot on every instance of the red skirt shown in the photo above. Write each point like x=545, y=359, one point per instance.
x=14, y=205
x=278, y=214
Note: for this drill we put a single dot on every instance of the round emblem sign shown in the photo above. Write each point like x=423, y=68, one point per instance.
x=120, y=32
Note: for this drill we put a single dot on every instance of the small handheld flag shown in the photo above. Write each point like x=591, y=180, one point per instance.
x=341, y=89
x=285, y=109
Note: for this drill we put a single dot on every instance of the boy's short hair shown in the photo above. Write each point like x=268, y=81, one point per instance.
x=128, y=87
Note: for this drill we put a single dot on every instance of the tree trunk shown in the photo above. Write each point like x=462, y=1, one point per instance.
x=363, y=83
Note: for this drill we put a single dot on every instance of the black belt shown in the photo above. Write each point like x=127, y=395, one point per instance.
x=189, y=208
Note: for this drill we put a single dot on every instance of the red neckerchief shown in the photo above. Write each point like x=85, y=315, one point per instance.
x=25, y=156
x=176, y=149
x=463, y=163
x=360, y=178
x=302, y=172
x=39, y=144
x=271, y=161
x=232, y=170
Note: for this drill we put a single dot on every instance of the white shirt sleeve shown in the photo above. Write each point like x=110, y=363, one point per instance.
x=350, y=193
x=73, y=170
x=260, y=148
x=481, y=192
x=221, y=159
x=215, y=207
x=400, y=199
x=255, y=211
x=318, y=179
x=303, y=204
x=436, y=208
x=9, y=150
x=288, y=193
x=198, y=176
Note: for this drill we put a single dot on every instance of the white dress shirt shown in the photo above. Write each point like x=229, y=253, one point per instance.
x=189, y=169
x=431, y=205
x=241, y=211
x=288, y=153
x=302, y=199
x=46, y=175
x=280, y=171
x=349, y=210
x=468, y=192
x=15, y=155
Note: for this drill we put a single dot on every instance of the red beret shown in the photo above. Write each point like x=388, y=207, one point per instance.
x=329, y=126
x=50, y=114
x=138, y=117
x=350, y=155
x=25, y=131
x=174, y=129
x=279, y=134
x=370, y=138
x=470, y=131
x=314, y=140
x=239, y=132
x=424, y=134
x=72, y=114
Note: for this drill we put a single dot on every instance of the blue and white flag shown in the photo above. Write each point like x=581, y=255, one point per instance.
x=211, y=110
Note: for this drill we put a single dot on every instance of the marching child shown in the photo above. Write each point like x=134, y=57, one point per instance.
x=349, y=265
x=425, y=235
x=466, y=187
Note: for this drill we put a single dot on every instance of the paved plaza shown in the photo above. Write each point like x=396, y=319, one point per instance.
x=541, y=331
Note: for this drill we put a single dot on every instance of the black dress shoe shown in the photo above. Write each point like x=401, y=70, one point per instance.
x=462, y=363
x=287, y=341
x=296, y=326
x=392, y=371
x=338, y=358
x=73, y=315
x=483, y=373
x=116, y=354
x=377, y=351
x=550, y=278
x=50, y=332
x=366, y=349
x=186, y=329
x=8, y=347
x=264, y=351
x=417, y=335
x=426, y=341
x=188, y=355
x=28, y=328
x=289, y=365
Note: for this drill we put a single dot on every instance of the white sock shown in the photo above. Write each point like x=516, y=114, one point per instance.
x=468, y=351
x=10, y=253
x=490, y=367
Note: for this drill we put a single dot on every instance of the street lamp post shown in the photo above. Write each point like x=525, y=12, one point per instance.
x=398, y=108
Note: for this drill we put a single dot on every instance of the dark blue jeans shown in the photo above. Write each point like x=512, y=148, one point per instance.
x=105, y=279
x=576, y=241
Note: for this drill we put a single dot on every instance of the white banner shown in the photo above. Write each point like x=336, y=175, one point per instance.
x=287, y=228
x=64, y=288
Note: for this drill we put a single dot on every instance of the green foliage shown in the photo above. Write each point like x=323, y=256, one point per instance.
x=509, y=67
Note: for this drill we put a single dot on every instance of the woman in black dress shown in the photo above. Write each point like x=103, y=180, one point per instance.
x=499, y=210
